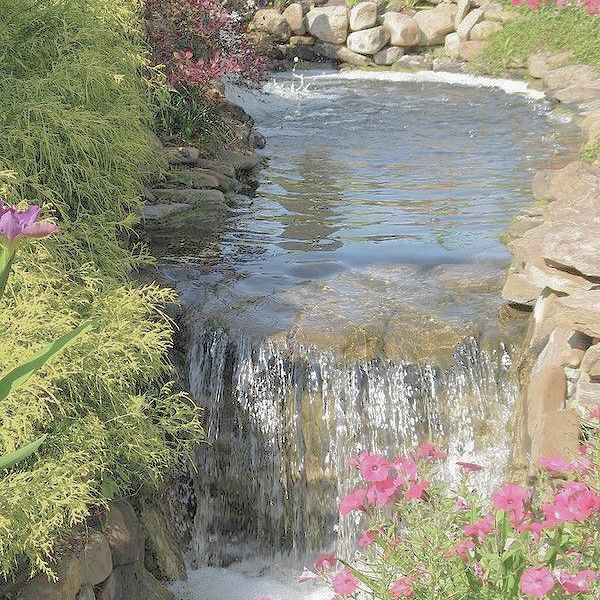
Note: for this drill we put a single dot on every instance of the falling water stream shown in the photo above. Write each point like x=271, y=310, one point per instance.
x=353, y=304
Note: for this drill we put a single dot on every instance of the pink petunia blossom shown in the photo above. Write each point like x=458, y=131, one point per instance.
x=510, y=497
x=402, y=588
x=430, y=451
x=353, y=501
x=578, y=583
x=374, y=468
x=416, y=491
x=366, y=539
x=325, y=562
x=344, y=582
x=555, y=464
x=537, y=583
x=464, y=549
x=406, y=466
x=306, y=575
x=460, y=504
x=383, y=492
x=480, y=529
x=470, y=467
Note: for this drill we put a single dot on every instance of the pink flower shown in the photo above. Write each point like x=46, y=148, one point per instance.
x=406, y=466
x=464, y=548
x=430, y=451
x=470, y=467
x=586, y=449
x=374, y=467
x=555, y=464
x=402, y=588
x=353, y=501
x=578, y=583
x=534, y=528
x=480, y=529
x=461, y=504
x=595, y=412
x=537, y=583
x=510, y=497
x=366, y=539
x=325, y=562
x=416, y=491
x=306, y=575
x=575, y=503
x=344, y=582
x=383, y=492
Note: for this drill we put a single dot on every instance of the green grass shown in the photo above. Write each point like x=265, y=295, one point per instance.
x=75, y=119
x=547, y=29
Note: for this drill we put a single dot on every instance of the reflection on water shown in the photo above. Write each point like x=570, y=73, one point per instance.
x=370, y=175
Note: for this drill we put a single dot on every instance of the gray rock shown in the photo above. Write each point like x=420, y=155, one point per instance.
x=68, y=582
x=462, y=10
x=184, y=155
x=163, y=556
x=436, y=24
x=160, y=212
x=271, y=21
x=413, y=62
x=86, y=593
x=111, y=589
x=567, y=76
x=363, y=16
x=193, y=178
x=329, y=23
x=138, y=584
x=483, y=30
x=578, y=92
x=346, y=55
x=220, y=167
x=190, y=197
x=120, y=524
x=368, y=41
x=539, y=63
x=403, y=29
x=294, y=15
x=448, y=65
x=590, y=127
x=465, y=26
x=452, y=45
x=388, y=56
x=302, y=40
x=95, y=559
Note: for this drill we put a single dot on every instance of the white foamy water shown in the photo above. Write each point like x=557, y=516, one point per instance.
x=506, y=85
x=246, y=582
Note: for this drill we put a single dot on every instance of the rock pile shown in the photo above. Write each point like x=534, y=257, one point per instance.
x=108, y=564
x=370, y=34
x=556, y=271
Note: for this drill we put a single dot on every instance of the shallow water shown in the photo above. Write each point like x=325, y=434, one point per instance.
x=353, y=304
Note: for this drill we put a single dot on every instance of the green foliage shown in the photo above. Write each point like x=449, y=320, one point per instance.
x=549, y=28
x=75, y=127
x=591, y=151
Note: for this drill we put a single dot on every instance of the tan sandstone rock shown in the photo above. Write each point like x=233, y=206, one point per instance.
x=404, y=30
x=363, y=16
x=329, y=23
x=294, y=15
x=436, y=23
x=271, y=21
x=368, y=41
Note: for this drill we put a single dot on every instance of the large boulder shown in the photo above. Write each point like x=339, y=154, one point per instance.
x=368, y=41
x=566, y=76
x=403, y=29
x=436, y=23
x=294, y=15
x=363, y=16
x=65, y=587
x=120, y=524
x=388, y=56
x=539, y=63
x=590, y=126
x=341, y=53
x=452, y=45
x=462, y=10
x=271, y=21
x=465, y=26
x=329, y=23
x=95, y=559
x=578, y=92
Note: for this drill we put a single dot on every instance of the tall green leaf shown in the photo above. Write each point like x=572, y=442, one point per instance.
x=21, y=373
x=12, y=458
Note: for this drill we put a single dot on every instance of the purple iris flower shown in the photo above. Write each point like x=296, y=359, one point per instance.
x=15, y=223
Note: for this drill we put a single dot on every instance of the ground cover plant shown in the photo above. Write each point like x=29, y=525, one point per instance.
x=75, y=139
x=422, y=540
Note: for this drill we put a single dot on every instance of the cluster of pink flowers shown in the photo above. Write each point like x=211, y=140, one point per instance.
x=518, y=516
x=592, y=7
x=200, y=41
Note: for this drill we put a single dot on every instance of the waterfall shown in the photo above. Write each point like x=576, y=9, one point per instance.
x=283, y=419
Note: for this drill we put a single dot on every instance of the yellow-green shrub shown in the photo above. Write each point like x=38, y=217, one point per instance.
x=75, y=117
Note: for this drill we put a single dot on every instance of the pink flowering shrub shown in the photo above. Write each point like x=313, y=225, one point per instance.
x=425, y=541
x=200, y=41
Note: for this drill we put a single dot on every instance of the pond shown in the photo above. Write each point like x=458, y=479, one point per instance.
x=353, y=304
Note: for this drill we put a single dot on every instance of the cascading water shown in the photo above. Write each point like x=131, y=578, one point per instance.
x=352, y=305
